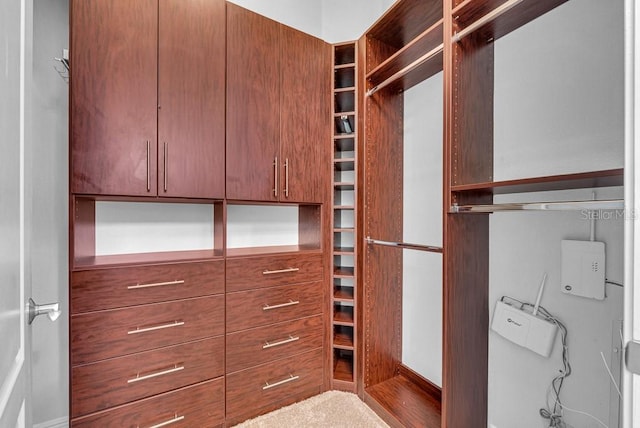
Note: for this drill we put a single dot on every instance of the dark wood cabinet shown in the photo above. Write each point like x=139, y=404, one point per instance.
x=113, y=97
x=147, y=98
x=278, y=104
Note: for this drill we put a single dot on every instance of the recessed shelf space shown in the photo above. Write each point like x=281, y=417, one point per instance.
x=342, y=314
x=343, y=272
x=112, y=232
x=343, y=337
x=492, y=19
x=343, y=294
x=344, y=123
x=346, y=164
x=344, y=78
x=345, y=101
x=344, y=55
x=343, y=365
x=343, y=143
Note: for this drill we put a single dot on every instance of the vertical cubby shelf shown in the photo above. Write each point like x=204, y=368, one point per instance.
x=344, y=329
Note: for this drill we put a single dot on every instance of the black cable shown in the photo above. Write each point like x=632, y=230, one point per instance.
x=613, y=283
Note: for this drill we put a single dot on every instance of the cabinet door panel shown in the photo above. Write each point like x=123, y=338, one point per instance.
x=305, y=117
x=253, y=94
x=191, y=98
x=114, y=97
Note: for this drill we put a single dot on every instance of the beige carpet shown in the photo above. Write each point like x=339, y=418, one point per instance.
x=332, y=409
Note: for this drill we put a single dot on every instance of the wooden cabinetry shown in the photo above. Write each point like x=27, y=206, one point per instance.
x=277, y=111
x=275, y=332
x=147, y=98
x=161, y=343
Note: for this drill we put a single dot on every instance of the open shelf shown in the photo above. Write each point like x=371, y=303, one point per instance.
x=342, y=251
x=343, y=365
x=344, y=55
x=275, y=249
x=342, y=272
x=343, y=143
x=584, y=180
x=399, y=401
x=469, y=11
x=98, y=262
x=344, y=185
x=343, y=337
x=343, y=315
x=343, y=294
x=344, y=164
x=429, y=41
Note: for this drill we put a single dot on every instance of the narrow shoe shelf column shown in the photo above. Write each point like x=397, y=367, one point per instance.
x=344, y=281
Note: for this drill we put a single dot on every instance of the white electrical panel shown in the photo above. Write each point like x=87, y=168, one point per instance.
x=583, y=264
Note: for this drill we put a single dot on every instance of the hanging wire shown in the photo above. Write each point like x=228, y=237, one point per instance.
x=64, y=71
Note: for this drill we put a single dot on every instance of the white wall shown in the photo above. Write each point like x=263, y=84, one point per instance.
x=422, y=223
x=558, y=109
x=49, y=206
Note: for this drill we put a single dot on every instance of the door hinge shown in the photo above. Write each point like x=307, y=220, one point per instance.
x=632, y=357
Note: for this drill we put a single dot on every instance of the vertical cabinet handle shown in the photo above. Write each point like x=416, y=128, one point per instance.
x=166, y=172
x=148, y=166
x=286, y=178
x=275, y=177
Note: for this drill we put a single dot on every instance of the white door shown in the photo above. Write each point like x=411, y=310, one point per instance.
x=15, y=383
x=631, y=381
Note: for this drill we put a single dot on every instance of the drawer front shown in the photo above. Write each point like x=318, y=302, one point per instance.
x=267, y=271
x=199, y=405
x=249, y=348
x=255, y=308
x=109, y=383
x=99, y=335
x=100, y=289
x=258, y=388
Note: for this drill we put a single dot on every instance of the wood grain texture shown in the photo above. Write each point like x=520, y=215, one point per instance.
x=383, y=220
x=253, y=105
x=99, y=335
x=246, y=396
x=466, y=321
x=102, y=385
x=82, y=229
x=246, y=348
x=201, y=405
x=113, y=96
x=191, y=98
x=102, y=289
x=246, y=273
x=305, y=127
x=245, y=308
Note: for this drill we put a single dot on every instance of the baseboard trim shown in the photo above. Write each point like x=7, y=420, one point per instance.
x=62, y=422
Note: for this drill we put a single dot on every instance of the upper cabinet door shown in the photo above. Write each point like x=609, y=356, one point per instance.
x=305, y=117
x=253, y=106
x=191, y=98
x=113, y=97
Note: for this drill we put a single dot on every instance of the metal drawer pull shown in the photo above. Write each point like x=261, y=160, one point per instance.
x=271, y=272
x=286, y=178
x=157, y=327
x=275, y=177
x=169, y=422
x=138, y=378
x=155, y=284
x=291, y=378
x=282, y=342
x=148, y=166
x=281, y=305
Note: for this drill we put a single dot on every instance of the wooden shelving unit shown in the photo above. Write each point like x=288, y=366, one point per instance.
x=344, y=279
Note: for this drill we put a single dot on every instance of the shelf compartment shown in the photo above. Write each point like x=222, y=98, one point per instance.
x=346, y=164
x=343, y=272
x=406, y=64
x=342, y=315
x=343, y=337
x=343, y=294
x=343, y=143
x=344, y=123
x=343, y=365
x=342, y=251
x=344, y=102
x=402, y=401
x=584, y=180
x=344, y=78
x=344, y=186
x=516, y=14
x=344, y=55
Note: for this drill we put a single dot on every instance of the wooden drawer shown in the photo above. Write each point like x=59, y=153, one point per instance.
x=109, y=383
x=251, y=391
x=100, y=335
x=199, y=405
x=267, y=271
x=255, y=308
x=94, y=290
x=249, y=348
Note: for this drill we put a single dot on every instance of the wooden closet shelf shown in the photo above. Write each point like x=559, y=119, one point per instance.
x=344, y=113
x=342, y=340
x=405, y=20
x=345, y=164
x=98, y=262
x=344, y=207
x=341, y=185
x=343, y=315
x=343, y=272
x=343, y=229
x=428, y=41
x=344, y=136
x=345, y=89
x=343, y=368
x=401, y=402
x=470, y=11
x=584, y=180
x=347, y=65
x=276, y=249
x=343, y=294
x=343, y=251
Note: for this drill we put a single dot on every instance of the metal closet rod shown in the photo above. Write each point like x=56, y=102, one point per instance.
x=484, y=20
x=405, y=245
x=406, y=70
x=611, y=204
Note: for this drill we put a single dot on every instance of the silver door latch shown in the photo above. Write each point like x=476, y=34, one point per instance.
x=52, y=310
x=632, y=357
